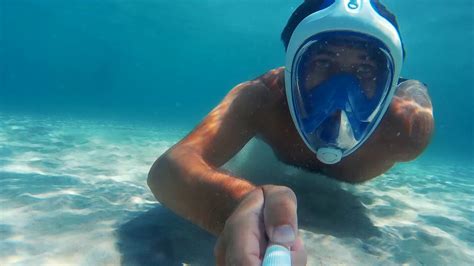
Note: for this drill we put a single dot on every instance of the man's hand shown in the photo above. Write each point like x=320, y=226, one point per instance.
x=413, y=106
x=266, y=215
x=411, y=119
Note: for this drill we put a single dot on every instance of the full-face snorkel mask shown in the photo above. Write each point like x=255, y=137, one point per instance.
x=342, y=69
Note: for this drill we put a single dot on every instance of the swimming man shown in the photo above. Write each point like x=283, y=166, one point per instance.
x=338, y=107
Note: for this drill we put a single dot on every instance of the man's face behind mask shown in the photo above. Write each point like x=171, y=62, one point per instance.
x=340, y=83
x=345, y=56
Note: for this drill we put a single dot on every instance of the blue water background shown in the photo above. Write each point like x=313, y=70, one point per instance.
x=155, y=60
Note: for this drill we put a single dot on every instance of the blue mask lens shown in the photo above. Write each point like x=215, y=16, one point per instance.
x=339, y=109
x=340, y=93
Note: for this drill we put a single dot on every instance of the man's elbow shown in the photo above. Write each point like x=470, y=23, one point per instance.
x=157, y=176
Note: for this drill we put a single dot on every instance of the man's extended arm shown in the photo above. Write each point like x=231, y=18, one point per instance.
x=186, y=178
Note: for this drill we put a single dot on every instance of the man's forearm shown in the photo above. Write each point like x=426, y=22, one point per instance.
x=183, y=182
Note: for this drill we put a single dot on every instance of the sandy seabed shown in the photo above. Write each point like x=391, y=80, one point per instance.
x=74, y=192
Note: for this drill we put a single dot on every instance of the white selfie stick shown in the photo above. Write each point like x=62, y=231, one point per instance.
x=277, y=255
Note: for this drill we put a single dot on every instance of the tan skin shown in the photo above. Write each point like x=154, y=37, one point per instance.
x=188, y=179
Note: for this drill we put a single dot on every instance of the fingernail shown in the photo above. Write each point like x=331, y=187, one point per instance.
x=283, y=234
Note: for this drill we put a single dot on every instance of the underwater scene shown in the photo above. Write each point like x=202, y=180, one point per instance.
x=92, y=92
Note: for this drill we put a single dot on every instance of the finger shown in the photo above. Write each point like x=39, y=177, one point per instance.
x=247, y=243
x=219, y=251
x=299, y=256
x=252, y=203
x=280, y=216
x=244, y=232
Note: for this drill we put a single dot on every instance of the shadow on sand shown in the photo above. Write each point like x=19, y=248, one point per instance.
x=159, y=237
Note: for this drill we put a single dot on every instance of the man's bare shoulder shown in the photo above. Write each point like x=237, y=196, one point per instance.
x=271, y=88
x=274, y=80
x=260, y=94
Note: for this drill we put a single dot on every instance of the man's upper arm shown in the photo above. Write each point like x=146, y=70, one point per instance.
x=228, y=127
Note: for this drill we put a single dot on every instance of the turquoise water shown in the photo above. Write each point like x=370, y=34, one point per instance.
x=92, y=92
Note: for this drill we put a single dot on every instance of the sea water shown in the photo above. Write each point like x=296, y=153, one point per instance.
x=92, y=92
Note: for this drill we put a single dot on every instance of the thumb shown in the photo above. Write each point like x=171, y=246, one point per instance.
x=279, y=214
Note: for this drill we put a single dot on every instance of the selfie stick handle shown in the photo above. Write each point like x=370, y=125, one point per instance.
x=277, y=255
